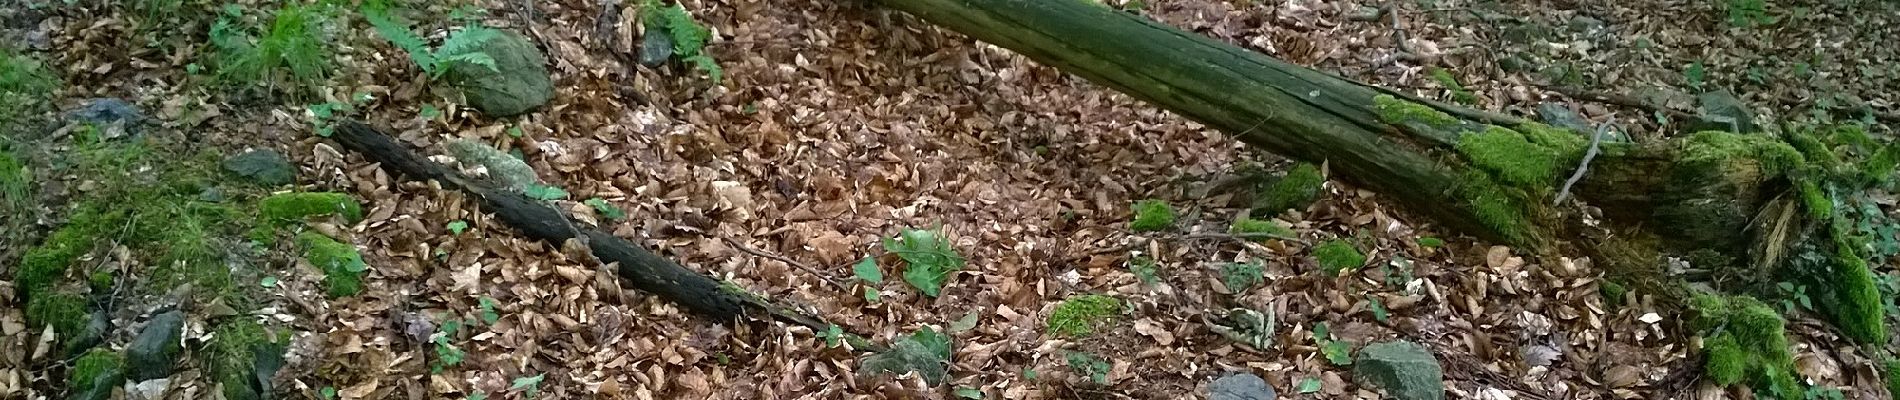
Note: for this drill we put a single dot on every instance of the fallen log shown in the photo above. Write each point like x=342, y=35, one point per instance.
x=698, y=293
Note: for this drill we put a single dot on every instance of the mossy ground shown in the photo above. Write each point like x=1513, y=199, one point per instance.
x=1152, y=215
x=1295, y=191
x=1078, y=316
x=65, y=310
x=342, y=265
x=231, y=355
x=1242, y=226
x=1893, y=378
x=1338, y=256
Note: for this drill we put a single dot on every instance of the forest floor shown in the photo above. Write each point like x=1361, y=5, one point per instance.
x=839, y=125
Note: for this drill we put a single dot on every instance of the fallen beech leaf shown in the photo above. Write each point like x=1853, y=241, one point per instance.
x=1148, y=327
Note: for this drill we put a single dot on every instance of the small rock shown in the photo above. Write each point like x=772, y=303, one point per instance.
x=1560, y=116
x=656, y=46
x=1723, y=111
x=518, y=83
x=1241, y=386
x=267, y=167
x=1406, y=370
x=1366, y=14
x=109, y=111
x=95, y=332
x=1586, y=24
x=154, y=353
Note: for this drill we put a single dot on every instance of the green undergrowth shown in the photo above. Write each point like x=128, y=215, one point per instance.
x=1297, y=189
x=297, y=206
x=1845, y=170
x=1893, y=378
x=291, y=52
x=1079, y=316
x=65, y=310
x=1152, y=215
x=25, y=85
x=1246, y=226
x=1744, y=342
x=460, y=49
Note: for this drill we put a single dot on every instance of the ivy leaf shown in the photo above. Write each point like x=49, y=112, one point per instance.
x=929, y=259
x=1378, y=308
x=870, y=294
x=937, y=343
x=833, y=335
x=605, y=209
x=544, y=192
x=1337, y=352
x=532, y=383
x=429, y=112
x=457, y=226
x=268, y=281
x=514, y=131
x=969, y=393
x=1309, y=385
x=868, y=271
x=968, y=322
x=489, y=316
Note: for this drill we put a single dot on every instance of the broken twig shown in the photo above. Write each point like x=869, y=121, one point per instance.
x=1588, y=155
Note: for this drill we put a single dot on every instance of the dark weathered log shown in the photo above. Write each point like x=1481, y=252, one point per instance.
x=696, y=292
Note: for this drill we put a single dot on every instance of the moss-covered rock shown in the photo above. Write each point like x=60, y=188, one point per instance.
x=231, y=358
x=1078, y=316
x=296, y=206
x=342, y=265
x=1338, y=256
x=504, y=170
x=1296, y=190
x=95, y=374
x=1152, y=215
x=1747, y=335
x=518, y=83
x=154, y=352
x=1405, y=370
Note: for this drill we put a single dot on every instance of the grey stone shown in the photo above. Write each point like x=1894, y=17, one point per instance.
x=154, y=353
x=110, y=111
x=1241, y=387
x=267, y=167
x=94, y=333
x=1406, y=370
x=518, y=83
x=656, y=46
x=1560, y=116
x=1723, y=111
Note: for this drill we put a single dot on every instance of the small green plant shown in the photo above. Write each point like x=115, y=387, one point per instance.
x=1458, y=91
x=446, y=354
x=1749, y=13
x=342, y=265
x=1612, y=292
x=1794, y=297
x=25, y=84
x=1337, y=352
x=689, y=37
x=291, y=50
x=489, y=315
x=1089, y=365
x=1241, y=276
x=1338, y=256
x=1079, y=316
x=531, y=385
x=1397, y=272
x=1430, y=242
x=867, y=270
x=969, y=393
x=1309, y=385
x=1695, y=74
x=1144, y=269
x=1893, y=377
x=1152, y=215
x=462, y=47
x=607, y=210
x=928, y=257
x=833, y=335
x=544, y=192
x=1821, y=393
x=1379, y=313
x=457, y=226
x=323, y=115
x=925, y=352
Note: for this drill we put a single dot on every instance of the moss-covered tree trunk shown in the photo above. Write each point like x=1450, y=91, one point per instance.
x=1488, y=175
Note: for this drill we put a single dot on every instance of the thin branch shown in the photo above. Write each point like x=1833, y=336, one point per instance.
x=788, y=261
x=1588, y=155
x=1238, y=236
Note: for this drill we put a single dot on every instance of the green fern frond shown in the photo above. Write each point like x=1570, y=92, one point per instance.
x=706, y=64
x=689, y=37
x=398, y=34
x=481, y=59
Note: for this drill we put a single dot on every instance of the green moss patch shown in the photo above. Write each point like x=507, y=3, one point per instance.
x=1152, y=215
x=1501, y=208
x=66, y=312
x=97, y=372
x=1893, y=378
x=342, y=265
x=1612, y=292
x=1338, y=256
x=1854, y=296
x=1734, y=150
x=1296, y=190
x=1078, y=316
x=297, y=206
x=1746, y=343
x=1245, y=226
x=1511, y=157
x=1393, y=110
